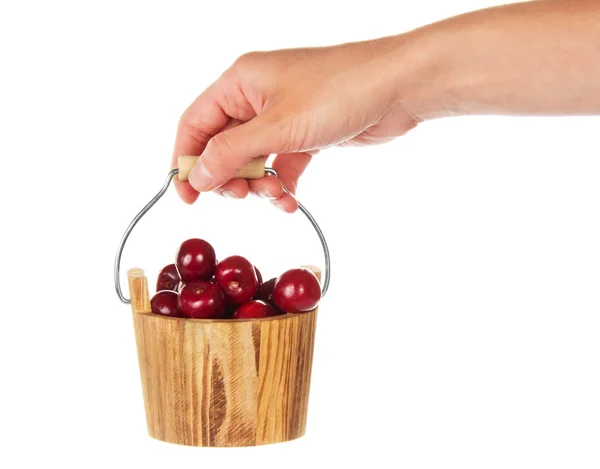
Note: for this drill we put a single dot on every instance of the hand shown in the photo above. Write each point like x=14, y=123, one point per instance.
x=296, y=102
x=291, y=103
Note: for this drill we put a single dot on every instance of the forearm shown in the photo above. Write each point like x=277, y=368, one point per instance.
x=534, y=58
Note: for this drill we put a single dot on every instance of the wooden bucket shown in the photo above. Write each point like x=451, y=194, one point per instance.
x=222, y=382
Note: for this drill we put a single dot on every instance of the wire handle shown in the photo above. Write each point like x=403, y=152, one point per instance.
x=156, y=198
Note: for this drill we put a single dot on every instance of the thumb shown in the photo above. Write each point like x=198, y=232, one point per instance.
x=229, y=151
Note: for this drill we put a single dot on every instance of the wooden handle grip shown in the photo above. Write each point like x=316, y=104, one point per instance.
x=253, y=170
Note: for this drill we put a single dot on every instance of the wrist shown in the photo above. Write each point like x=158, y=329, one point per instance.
x=423, y=78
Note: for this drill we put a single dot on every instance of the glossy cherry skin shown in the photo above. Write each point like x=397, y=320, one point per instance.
x=165, y=302
x=201, y=300
x=255, y=309
x=296, y=291
x=258, y=276
x=265, y=290
x=168, y=279
x=196, y=260
x=237, y=278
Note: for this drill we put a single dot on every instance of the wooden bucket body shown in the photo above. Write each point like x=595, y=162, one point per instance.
x=222, y=382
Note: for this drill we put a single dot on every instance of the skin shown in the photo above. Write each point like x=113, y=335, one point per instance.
x=533, y=58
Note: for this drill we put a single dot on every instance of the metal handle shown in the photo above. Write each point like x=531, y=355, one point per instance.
x=156, y=198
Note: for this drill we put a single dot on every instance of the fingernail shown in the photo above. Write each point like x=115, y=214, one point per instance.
x=229, y=194
x=200, y=178
x=265, y=194
x=279, y=205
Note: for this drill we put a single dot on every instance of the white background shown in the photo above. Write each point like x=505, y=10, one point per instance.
x=461, y=328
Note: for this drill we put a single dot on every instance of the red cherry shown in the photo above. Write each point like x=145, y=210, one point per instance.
x=255, y=309
x=168, y=278
x=165, y=302
x=201, y=300
x=265, y=290
x=258, y=276
x=296, y=291
x=230, y=309
x=237, y=278
x=196, y=260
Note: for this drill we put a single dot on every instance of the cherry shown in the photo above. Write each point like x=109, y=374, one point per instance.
x=296, y=291
x=230, y=309
x=237, y=277
x=255, y=309
x=265, y=290
x=165, y=302
x=168, y=278
x=201, y=300
x=258, y=276
x=196, y=260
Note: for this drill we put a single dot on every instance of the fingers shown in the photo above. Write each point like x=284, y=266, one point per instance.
x=230, y=150
x=203, y=119
x=266, y=188
x=290, y=167
x=234, y=189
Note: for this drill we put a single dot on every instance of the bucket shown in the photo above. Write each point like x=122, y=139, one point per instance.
x=222, y=382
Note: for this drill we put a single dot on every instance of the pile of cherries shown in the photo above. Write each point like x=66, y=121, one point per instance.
x=197, y=286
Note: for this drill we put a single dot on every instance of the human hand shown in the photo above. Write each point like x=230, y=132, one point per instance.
x=291, y=103
x=296, y=102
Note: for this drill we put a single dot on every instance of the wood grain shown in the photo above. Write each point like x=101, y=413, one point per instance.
x=255, y=169
x=138, y=290
x=224, y=382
